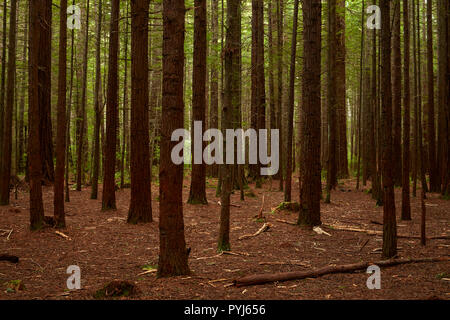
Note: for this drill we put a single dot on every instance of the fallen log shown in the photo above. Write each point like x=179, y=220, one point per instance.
x=296, y=275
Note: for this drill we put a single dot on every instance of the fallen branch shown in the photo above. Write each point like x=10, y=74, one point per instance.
x=296, y=275
x=376, y=232
x=280, y=263
x=319, y=230
x=287, y=222
x=264, y=228
x=231, y=205
x=59, y=233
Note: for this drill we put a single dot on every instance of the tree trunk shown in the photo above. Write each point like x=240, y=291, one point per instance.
x=290, y=132
x=396, y=95
x=5, y=173
x=81, y=142
x=58, y=202
x=37, y=30
x=214, y=87
x=310, y=187
x=406, y=205
x=140, y=204
x=197, y=194
x=434, y=180
x=109, y=184
x=173, y=256
x=332, y=101
x=341, y=89
x=98, y=108
x=389, y=222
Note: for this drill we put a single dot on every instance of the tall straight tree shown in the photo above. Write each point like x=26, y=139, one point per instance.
x=45, y=63
x=258, y=95
x=109, y=184
x=443, y=97
x=214, y=87
x=290, y=131
x=141, y=197
x=332, y=101
x=58, y=187
x=98, y=109
x=3, y=72
x=434, y=179
x=197, y=194
x=5, y=173
x=310, y=176
x=396, y=95
x=38, y=28
x=81, y=140
x=406, y=204
x=341, y=89
x=389, y=221
x=173, y=256
x=231, y=102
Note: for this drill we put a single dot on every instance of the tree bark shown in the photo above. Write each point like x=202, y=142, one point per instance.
x=173, y=256
x=389, y=221
x=5, y=174
x=290, y=131
x=58, y=202
x=197, y=194
x=140, y=203
x=109, y=184
x=310, y=187
x=406, y=205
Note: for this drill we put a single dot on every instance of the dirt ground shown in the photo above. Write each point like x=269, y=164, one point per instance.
x=105, y=247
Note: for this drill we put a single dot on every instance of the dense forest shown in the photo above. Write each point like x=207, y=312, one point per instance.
x=349, y=101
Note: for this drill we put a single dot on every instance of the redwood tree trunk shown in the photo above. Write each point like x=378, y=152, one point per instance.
x=197, y=193
x=406, y=205
x=310, y=186
x=290, y=131
x=141, y=198
x=109, y=195
x=389, y=221
x=58, y=202
x=37, y=21
x=396, y=95
x=7, y=124
x=173, y=256
x=97, y=106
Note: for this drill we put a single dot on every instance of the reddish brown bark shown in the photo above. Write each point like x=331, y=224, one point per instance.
x=434, y=179
x=5, y=173
x=389, y=221
x=396, y=95
x=197, y=193
x=290, y=131
x=310, y=187
x=141, y=198
x=58, y=201
x=406, y=205
x=37, y=21
x=173, y=256
x=109, y=184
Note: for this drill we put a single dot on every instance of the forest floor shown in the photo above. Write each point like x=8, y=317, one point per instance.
x=105, y=247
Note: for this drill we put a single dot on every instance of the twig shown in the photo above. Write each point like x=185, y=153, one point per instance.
x=264, y=228
x=62, y=235
x=288, y=222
